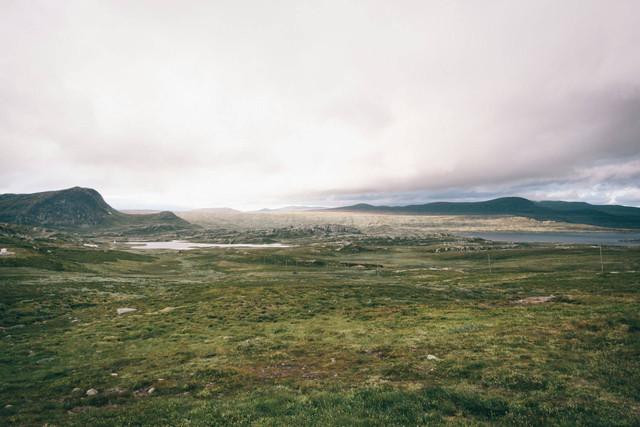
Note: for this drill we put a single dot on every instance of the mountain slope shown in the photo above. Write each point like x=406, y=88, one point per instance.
x=76, y=208
x=571, y=212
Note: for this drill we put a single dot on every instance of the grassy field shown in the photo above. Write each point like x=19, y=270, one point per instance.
x=372, y=331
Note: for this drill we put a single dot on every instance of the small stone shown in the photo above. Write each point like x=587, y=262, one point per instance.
x=333, y=360
x=432, y=357
x=76, y=390
x=151, y=390
x=92, y=392
x=8, y=406
x=125, y=310
x=113, y=374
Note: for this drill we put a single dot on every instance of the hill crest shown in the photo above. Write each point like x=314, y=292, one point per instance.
x=75, y=208
x=612, y=216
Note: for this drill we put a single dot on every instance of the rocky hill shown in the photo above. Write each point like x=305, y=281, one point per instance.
x=78, y=209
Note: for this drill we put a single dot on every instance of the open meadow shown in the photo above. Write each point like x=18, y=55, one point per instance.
x=340, y=330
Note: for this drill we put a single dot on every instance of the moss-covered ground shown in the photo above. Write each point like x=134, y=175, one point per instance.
x=322, y=333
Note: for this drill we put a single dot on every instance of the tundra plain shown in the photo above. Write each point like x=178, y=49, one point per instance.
x=390, y=322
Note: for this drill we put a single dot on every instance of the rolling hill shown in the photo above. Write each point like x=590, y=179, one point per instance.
x=79, y=208
x=613, y=216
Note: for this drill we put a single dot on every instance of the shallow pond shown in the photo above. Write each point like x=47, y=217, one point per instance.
x=182, y=245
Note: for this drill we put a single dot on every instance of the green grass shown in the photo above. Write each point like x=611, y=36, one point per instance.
x=233, y=336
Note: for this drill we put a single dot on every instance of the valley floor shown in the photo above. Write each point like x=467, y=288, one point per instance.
x=374, y=331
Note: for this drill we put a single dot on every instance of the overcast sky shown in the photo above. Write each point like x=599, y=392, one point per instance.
x=249, y=104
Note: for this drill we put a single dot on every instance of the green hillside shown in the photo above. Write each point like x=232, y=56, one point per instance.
x=79, y=208
x=571, y=212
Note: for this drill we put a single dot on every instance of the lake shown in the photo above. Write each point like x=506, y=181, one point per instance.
x=569, y=238
x=182, y=245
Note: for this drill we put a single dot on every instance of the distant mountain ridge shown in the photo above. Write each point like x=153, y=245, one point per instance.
x=76, y=208
x=613, y=216
x=80, y=208
x=291, y=209
x=213, y=210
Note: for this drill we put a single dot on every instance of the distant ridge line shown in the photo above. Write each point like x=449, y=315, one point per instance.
x=612, y=216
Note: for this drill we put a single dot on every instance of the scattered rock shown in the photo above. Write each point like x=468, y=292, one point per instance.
x=432, y=357
x=8, y=406
x=333, y=360
x=126, y=310
x=76, y=390
x=143, y=392
x=92, y=392
x=113, y=374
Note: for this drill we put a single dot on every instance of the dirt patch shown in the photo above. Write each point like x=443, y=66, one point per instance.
x=532, y=300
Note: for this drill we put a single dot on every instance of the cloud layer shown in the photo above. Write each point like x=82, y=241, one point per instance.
x=250, y=104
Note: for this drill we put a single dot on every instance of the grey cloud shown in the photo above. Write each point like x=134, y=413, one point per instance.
x=338, y=101
x=588, y=139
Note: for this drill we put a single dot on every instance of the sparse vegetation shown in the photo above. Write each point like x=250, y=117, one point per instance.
x=369, y=331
